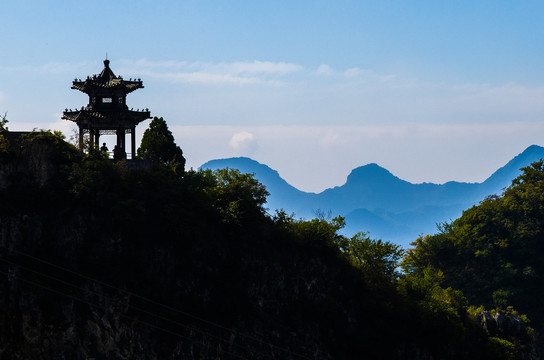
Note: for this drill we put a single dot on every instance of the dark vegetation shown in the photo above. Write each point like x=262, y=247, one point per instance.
x=98, y=261
x=158, y=145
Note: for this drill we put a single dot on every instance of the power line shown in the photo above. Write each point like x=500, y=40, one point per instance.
x=125, y=316
x=147, y=312
x=145, y=299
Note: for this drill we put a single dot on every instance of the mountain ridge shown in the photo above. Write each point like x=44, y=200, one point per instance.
x=376, y=171
x=394, y=209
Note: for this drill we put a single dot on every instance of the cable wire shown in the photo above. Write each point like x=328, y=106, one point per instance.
x=125, y=316
x=195, y=317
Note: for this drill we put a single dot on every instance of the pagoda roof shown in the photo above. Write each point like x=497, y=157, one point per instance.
x=112, y=119
x=106, y=80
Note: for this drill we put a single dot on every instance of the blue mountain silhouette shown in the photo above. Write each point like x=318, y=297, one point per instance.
x=378, y=202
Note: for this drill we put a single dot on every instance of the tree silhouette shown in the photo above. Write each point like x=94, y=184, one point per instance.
x=3, y=122
x=158, y=145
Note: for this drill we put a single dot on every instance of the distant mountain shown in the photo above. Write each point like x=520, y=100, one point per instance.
x=282, y=194
x=502, y=177
x=374, y=200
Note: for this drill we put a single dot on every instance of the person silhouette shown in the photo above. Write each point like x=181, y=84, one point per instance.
x=104, y=148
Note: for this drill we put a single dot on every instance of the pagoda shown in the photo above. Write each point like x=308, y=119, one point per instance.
x=107, y=112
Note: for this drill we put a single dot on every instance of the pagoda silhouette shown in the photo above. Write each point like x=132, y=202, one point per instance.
x=107, y=112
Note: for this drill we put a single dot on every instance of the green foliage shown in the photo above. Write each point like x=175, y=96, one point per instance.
x=502, y=349
x=376, y=257
x=494, y=251
x=510, y=311
x=419, y=285
x=55, y=136
x=5, y=149
x=501, y=298
x=92, y=177
x=158, y=145
x=316, y=232
x=62, y=152
x=473, y=311
x=3, y=122
x=426, y=287
x=4, y=142
x=377, y=260
x=238, y=197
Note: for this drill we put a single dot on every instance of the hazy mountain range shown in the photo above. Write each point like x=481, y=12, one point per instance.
x=376, y=201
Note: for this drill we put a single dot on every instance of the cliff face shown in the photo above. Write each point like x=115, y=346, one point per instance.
x=259, y=310
x=46, y=314
x=53, y=313
x=97, y=261
x=38, y=325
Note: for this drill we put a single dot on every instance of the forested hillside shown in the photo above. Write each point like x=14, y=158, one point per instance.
x=103, y=260
x=494, y=253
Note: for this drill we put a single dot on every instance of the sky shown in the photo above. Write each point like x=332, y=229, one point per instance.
x=432, y=90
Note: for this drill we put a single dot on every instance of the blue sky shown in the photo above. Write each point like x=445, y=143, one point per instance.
x=432, y=90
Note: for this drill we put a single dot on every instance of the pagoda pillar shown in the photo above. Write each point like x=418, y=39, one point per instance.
x=119, y=141
x=97, y=137
x=133, y=142
x=81, y=138
x=91, y=137
x=121, y=151
x=117, y=149
x=124, y=145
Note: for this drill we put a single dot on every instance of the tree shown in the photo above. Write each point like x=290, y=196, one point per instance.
x=239, y=197
x=377, y=259
x=158, y=145
x=3, y=122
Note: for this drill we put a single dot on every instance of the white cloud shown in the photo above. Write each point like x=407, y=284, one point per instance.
x=233, y=68
x=324, y=69
x=246, y=93
x=54, y=68
x=366, y=99
x=330, y=138
x=68, y=128
x=205, y=78
x=144, y=64
x=260, y=67
x=243, y=143
x=238, y=73
x=352, y=72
